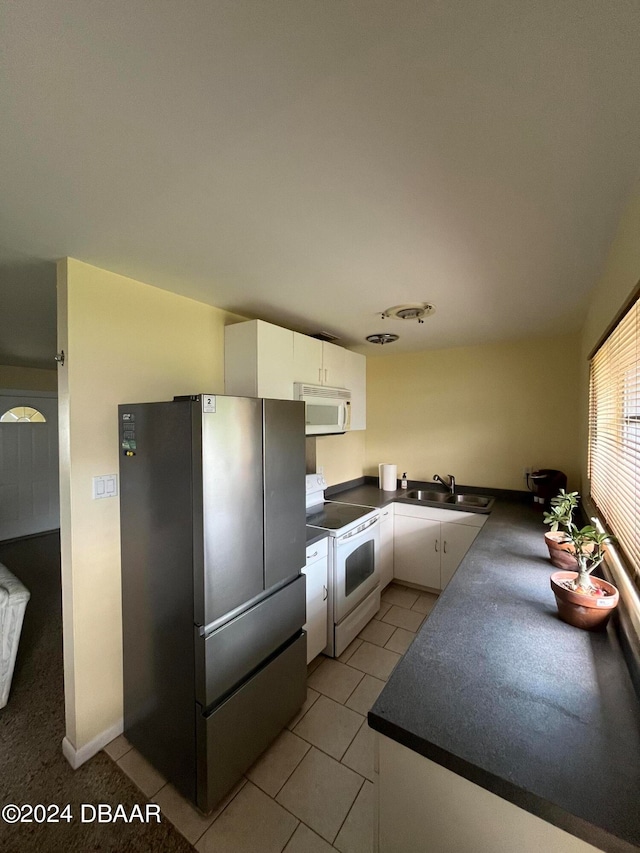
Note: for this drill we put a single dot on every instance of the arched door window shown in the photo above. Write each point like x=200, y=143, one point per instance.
x=23, y=415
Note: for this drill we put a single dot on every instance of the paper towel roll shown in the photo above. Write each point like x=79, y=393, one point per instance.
x=388, y=475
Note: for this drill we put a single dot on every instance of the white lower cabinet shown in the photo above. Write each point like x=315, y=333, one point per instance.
x=386, y=546
x=316, y=571
x=429, y=543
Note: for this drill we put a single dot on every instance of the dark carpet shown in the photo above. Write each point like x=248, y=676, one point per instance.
x=32, y=767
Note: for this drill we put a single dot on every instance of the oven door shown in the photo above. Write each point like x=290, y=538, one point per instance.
x=355, y=570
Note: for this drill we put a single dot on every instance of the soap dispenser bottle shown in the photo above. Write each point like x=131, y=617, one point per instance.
x=403, y=482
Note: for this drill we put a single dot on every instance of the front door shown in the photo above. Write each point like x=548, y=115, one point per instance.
x=29, y=498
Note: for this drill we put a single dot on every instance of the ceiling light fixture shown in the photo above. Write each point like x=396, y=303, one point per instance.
x=382, y=338
x=410, y=311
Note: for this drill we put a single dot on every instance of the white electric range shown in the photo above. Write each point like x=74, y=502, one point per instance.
x=354, y=578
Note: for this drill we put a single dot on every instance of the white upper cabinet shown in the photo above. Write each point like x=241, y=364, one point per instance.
x=263, y=360
x=333, y=365
x=258, y=360
x=307, y=359
x=318, y=362
x=355, y=379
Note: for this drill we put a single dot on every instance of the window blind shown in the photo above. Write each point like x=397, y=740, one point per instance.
x=614, y=434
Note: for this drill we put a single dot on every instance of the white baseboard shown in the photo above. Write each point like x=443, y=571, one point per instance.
x=77, y=757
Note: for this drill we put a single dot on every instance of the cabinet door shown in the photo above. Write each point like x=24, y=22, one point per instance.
x=355, y=379
x=385, y=554
x=416, y=551
x=316, y=624
x=307, y=360
x=275, y=362
x=456, y=541
x=333, y=365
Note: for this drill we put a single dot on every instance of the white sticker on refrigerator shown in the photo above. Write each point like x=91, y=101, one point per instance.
x=208, y=402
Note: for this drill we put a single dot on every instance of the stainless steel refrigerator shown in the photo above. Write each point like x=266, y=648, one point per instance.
x=212, y=511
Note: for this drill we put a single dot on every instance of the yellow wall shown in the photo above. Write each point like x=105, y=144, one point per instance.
x=125, y=342
x=341, y=456
x=619, y=279
x=28, y=378
x=482, y=413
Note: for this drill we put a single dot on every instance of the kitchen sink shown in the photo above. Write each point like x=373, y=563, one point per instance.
x=482, y=503
x=433, y=497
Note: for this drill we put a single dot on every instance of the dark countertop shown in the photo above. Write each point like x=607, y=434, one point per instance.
x=315, y=535
x=497, y=689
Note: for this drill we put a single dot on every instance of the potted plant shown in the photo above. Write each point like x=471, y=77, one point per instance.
x=584, y=601
x=558, y=541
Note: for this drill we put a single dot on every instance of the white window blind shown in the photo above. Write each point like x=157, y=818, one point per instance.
x=614, y=434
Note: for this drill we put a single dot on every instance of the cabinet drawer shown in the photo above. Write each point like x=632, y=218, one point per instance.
x=232, y=737
x=318, y=550
x=242, y=644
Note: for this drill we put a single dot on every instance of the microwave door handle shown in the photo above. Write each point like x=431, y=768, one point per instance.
x=343, y=415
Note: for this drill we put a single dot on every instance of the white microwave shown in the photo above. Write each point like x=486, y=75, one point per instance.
x=327, y=410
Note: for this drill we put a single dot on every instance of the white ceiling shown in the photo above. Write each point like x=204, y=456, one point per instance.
x=313, y=162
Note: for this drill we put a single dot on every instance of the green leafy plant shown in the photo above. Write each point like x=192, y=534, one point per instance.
x=561, y=514
x=589, y=545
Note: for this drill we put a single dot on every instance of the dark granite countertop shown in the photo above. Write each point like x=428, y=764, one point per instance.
x=496, y=688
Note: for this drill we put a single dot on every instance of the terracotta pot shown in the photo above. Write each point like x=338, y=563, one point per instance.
x=579, y=609
x=562, y=553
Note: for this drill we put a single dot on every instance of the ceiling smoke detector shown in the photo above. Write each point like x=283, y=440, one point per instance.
x=410, y=311
x=382, y=338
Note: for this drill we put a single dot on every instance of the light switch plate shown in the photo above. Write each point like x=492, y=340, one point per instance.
x=105, y=486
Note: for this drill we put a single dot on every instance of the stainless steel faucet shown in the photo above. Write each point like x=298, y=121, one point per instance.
x=451, y=485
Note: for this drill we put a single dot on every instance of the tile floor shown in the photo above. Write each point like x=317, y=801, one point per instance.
x=312, y=790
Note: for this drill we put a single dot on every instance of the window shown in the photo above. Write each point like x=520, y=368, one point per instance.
x=23, y=415
x=614, y=434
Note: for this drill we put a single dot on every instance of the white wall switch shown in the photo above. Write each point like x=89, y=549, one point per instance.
x=105, y=486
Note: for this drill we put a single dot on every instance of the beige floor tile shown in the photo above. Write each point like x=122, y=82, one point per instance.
x=312, y=695
x=401, y=597
x=329, y=726
x=400, y=640
x=374, y=660
x=320, y=792
x=359, y=756
x=346, y=654
x=274, y=766
x=141, y=773
x=365, y=694
x=376, y=632
x=118, y=747
x=251, y=823
x=315, y=663
x=402, y=618
x=182, y=814
x=356, y=835
x=336, y=680
x=384, y=608
x=425, y=603
x=304, y=840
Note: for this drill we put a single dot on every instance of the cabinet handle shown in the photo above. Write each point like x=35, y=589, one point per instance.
x=311, y=556
x=326, y=593
x=436, y=544
x=445, y=546
x=325, y=375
